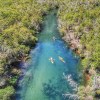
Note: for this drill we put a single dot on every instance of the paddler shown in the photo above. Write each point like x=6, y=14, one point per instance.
x=52, y=60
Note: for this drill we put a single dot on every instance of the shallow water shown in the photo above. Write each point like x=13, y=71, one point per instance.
x=44, y=80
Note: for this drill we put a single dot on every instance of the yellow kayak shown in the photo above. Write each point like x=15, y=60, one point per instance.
x=60, y=58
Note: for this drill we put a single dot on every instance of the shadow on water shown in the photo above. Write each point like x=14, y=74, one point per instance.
x=44, y=80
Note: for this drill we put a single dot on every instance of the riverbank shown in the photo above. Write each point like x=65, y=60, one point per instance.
x=90, y=88
x=79, y=31
x=18, y=31
x=17, y=39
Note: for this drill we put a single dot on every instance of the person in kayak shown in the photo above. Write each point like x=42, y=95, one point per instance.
x=51, y=60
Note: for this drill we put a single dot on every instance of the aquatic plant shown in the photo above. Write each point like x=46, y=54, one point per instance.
x=50, y=90
x=71, y=96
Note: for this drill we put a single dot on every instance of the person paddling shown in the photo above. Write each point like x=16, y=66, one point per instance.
x=52, y=60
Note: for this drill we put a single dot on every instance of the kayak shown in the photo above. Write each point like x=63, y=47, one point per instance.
x=60, y=58
x=52, y=60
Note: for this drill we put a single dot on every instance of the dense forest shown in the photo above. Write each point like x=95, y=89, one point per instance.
x=78, y=23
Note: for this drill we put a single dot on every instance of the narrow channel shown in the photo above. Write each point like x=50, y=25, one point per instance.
x=52, y=68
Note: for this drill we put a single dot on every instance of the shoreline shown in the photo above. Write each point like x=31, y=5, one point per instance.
x=89, y=73
x=15, y=61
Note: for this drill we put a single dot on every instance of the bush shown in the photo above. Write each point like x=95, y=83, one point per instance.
x=6, y=93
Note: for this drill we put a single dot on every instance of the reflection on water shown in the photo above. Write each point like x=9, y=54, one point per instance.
x=43, y=79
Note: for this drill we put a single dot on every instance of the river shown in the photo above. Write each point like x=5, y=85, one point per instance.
x=47, y=79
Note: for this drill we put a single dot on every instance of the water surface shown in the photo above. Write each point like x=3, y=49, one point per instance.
x=44, y=80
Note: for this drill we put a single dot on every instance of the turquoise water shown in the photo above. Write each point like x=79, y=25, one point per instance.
x=43, y=79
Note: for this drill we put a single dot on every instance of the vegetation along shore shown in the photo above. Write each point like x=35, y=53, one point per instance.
x=79, y=25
